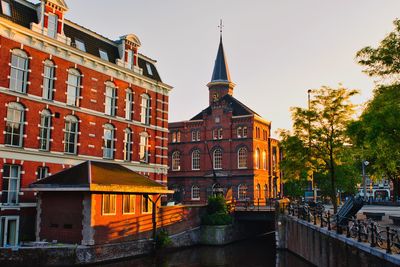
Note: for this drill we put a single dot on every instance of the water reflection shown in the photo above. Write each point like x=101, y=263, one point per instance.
x=249, y=253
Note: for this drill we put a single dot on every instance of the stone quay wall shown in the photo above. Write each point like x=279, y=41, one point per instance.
x=326, y=248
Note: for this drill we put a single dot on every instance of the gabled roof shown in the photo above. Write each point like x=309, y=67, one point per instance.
x=97, y=176
x=221, y=70
x=60, y=3
x=237, y=107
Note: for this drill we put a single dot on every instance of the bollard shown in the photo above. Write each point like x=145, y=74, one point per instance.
x=348, y=231
x=359, y=230
x=388, y=249
x=322, y=220
x=373, y=243
x=315, y=217
x=329, y=220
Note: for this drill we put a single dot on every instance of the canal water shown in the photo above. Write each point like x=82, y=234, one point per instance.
x=254, y=252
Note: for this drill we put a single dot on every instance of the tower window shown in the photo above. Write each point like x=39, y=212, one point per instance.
x=52, y=25
x=149, y=70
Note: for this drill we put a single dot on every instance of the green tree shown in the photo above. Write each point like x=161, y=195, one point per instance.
x=377, y=133
x=319, y=133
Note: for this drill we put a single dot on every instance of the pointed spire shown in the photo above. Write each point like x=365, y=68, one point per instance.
x=221, y=70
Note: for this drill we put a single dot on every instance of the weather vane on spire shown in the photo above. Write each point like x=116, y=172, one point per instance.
x=220, y=27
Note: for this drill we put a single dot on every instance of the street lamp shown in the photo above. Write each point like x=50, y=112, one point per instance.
x=309, y=91
x=364, y=164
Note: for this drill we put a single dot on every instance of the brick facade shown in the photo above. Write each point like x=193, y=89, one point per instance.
x=221, y=127
x=25, y=31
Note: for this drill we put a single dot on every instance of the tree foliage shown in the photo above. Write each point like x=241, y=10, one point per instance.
x=319, y=142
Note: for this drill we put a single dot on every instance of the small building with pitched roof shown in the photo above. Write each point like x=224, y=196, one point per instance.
x=226, y=148
x=95, y=203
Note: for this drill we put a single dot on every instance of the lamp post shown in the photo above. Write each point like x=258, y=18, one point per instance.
x=309, y=91
x=364, y=164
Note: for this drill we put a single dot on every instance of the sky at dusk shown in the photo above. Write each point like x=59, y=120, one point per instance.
x=276, y=50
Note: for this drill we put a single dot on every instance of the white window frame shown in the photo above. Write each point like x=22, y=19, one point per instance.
x=242, y=192
x=196, y=160
x=73, y=87
x=52, y=25
x=70, y=136
x=129, y=104
x=129, y=197
x=45, y=130
x=149, y=70
x=4, y=236
x=144, y=147
x=19, y=71
x=48, y=79
x=239, y=132
x=220, y=133
x=14, y=111
x=130, y=58
x=108, y=141
x=42, y=172
x=217, y=159
x=176, y=161
x=110, y=99
x=6, y=8
x=242, y=155
x=127, y=144
x=145, y=109
x=114, y=205
x=244, y=135
x=195, y=192
x=13, y=181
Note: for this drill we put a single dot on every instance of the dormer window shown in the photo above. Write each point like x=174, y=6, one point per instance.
x=130, y=59
x=6, y=8
x=103, y=54
x=80, y=45
x=52, y=25
x=149, y=70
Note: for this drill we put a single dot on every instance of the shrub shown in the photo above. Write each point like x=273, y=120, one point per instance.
x=217, y=204
x=162, y=239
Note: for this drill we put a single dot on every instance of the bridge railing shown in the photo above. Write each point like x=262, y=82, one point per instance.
x=367, y=231
x=258, y=204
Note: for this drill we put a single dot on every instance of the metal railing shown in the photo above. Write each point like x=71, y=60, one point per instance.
x=366, y=231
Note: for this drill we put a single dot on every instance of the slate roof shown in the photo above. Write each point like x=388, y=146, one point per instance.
x=24, y=15
x=221, y=70
x=237, y=107
x=97, y=176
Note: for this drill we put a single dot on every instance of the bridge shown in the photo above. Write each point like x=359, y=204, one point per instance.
x=255, y=213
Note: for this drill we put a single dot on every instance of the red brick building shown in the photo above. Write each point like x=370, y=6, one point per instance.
x=68, y=95
x=225, y=148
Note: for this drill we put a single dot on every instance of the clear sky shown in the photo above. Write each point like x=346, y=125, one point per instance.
x=276, y=50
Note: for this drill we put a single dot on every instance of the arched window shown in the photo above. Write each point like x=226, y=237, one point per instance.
x=257, y=158
x=108, y=147
x=73, y=87
x=71, y=134
x=178, y=136
x=145, y=109
x=266, y=191
x=111, y=99
x=217, y=159
x=242, y=158
x=44, y=130
x=195, y=192
x=239, y=132
x=242, y=192
x=48, y=79
x=14, y=133
x=264, y=159
x=128, y=104
x=128, y=145
x=257, y=194
x=144, y=148
x=19, y=71
x=176, y=161
x=217, y=189
x=196, y=160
